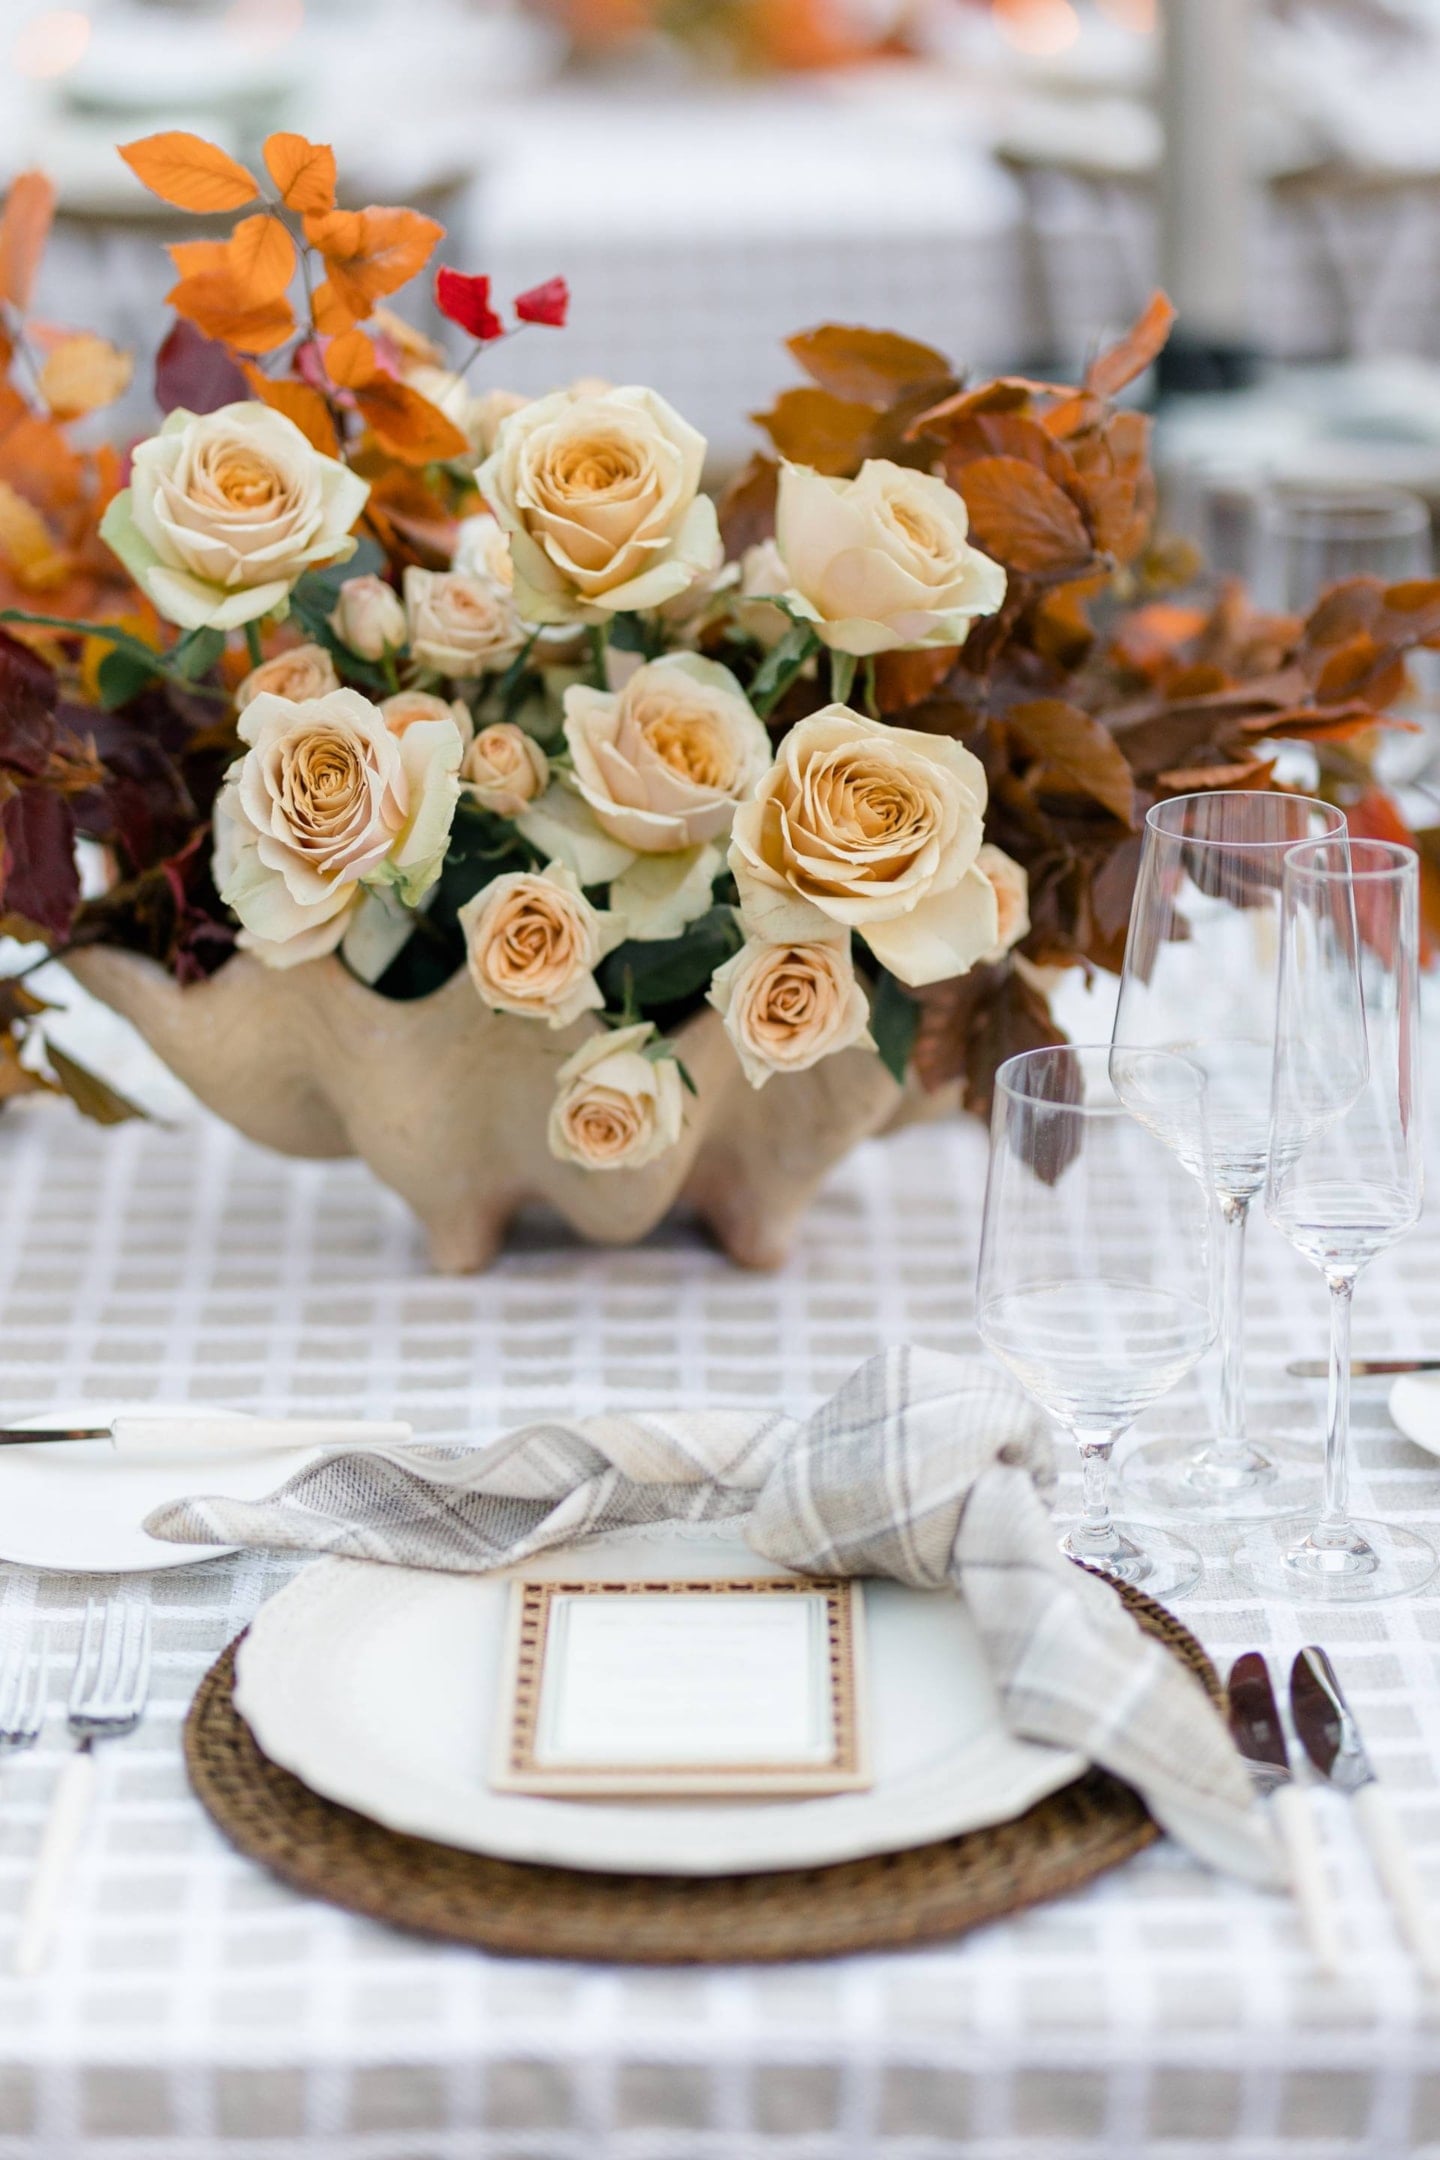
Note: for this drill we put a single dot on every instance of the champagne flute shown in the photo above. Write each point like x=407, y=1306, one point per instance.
x=1346, y=1171
x=1097, y=1267
x=1199, y=979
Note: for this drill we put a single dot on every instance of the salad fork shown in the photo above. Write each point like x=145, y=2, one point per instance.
x=23, y=1670
x=107, y=1700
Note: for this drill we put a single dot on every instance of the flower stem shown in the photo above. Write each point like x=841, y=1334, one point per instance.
x=842, y=675
x=599, y=644
x=252, y=641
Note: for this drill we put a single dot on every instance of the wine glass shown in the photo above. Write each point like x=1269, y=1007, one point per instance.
x=1346, y=1171
x=1199, y=978
x=1097, y=1268
x=1308, y=538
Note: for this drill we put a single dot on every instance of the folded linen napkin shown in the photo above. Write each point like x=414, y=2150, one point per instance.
x=921, y=1468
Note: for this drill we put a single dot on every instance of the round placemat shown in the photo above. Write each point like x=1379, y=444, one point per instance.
x=879, y=1903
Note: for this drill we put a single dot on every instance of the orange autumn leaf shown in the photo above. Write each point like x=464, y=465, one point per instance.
x=27, y=544
x=369, y=253
x=298, y=402
x=258, y=259
x=407, y=424
x=189, y=172
x=209, y=301
x=1111, y=370
x=82, y=373
x=350, y=360
x=303, y=171
x=24, y=229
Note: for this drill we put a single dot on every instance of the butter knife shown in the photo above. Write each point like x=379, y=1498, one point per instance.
x=210, y=1431
x=1258, y=1733
x=1331, y=1738
x=1376, y=1368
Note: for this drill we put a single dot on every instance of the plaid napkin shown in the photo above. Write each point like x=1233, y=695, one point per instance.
x=922, y=1468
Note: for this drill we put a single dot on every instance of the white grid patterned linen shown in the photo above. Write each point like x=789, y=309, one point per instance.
x=194, y=2006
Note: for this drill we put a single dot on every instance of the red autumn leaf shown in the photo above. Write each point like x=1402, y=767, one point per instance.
x=39, y=883
x=197, y=372
x=466, y=301
x=28, y=692
x=547, y=303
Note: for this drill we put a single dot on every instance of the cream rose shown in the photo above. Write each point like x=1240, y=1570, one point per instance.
x=533, y=943
x=225, y=510
x=763, y=576
x=882, y=561
x=787, y=1006
x=504, y=769
x=482, y=551
x=876, y=828
x=663, y=762
x=460, y=626
x=304, y=671
x=600, y=496
x=615, y=1108
x=1012, y=897
x=369, y=617
x=326, y=802
x=405, y=708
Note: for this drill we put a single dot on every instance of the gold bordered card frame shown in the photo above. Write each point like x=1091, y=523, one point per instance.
x=740, y=1686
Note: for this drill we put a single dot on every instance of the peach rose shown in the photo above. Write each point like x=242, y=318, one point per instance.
x=615, y=1108
x=882, y=561
x=504, y=769
x=663, y=762
x=787, y=1006
x=304, y=671
x=460, y=626
x=325, y=803
x=876, y=828
x=404, y=708
x=226, y=510
x=533, y=943
x=369, y=617
x=600, y=494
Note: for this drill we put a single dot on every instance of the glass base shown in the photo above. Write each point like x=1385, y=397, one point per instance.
x=1201, y=1479
x=1360, y=1564
x=1145, y=1556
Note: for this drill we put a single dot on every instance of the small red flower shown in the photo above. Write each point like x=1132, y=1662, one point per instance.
x=547, y=303
x=466, y=301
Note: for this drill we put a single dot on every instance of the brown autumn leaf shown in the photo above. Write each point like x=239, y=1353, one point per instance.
x=814, y=427
x=304, y=172
x=298, y=402
x=82, y=373
x=1113, y=369
x=1020, y=516
x=874, y=366
x=16, y=1078
x=1256, y=772
x=747, y=507
x=903, y=679
x=369, y=253
x=93, y=1097
x=24, y=230
x=1080, y=748
x=189, y=172
x=1006, y=434
x=407, y=424
x=1006, y=393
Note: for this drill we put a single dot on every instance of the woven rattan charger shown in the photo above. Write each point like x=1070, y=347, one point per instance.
x=879, y=1903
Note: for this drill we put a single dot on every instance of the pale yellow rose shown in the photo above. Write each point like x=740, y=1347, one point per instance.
x=304, y=671
x=1012, y=897
x=787, y=1006
x=663, y=762
x=460, y=626
x=405, y=708
x=369, y=617
x=225, y=510
x=325, y=803
x=483, y=551
x=763, y=576
x=504, y=769
x=615, y=1108
x=600, y=494
x=533, y=943
x=882, y=561
x=876, y=828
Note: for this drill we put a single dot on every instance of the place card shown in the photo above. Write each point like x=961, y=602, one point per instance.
x=751, y=1685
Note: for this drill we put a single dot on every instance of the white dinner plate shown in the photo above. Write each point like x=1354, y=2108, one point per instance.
x=379, y=1688
x=1414, y=1405
x=77, y=1507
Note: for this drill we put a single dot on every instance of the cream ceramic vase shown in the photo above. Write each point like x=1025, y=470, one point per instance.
x=448, y=1102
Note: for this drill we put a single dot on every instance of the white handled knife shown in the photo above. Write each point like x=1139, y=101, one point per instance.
x=215, y=1431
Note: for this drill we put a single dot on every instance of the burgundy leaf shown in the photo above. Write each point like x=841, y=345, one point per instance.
x=38, y=879
x=547, y=303
x=466, y=301
x=28, y=692
x=196, y=372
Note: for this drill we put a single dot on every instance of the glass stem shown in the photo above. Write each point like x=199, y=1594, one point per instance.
x=1337, y=1429
x=1231, y=1443
x=1095, y=1535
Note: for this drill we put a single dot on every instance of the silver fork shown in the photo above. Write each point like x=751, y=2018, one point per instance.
x=23, y=1670
x=107, y=1700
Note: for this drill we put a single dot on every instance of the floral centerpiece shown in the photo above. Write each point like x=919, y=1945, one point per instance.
x=483, y=787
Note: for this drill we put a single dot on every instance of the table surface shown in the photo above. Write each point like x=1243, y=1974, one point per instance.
x=193, y=2004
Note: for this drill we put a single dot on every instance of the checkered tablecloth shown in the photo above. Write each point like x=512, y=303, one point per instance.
x=194, y=2006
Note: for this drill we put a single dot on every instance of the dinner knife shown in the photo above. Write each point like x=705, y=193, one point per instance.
x=1258, y=1733
x=1331, y=1738
x=212, y=1431
x=1361, y=1368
